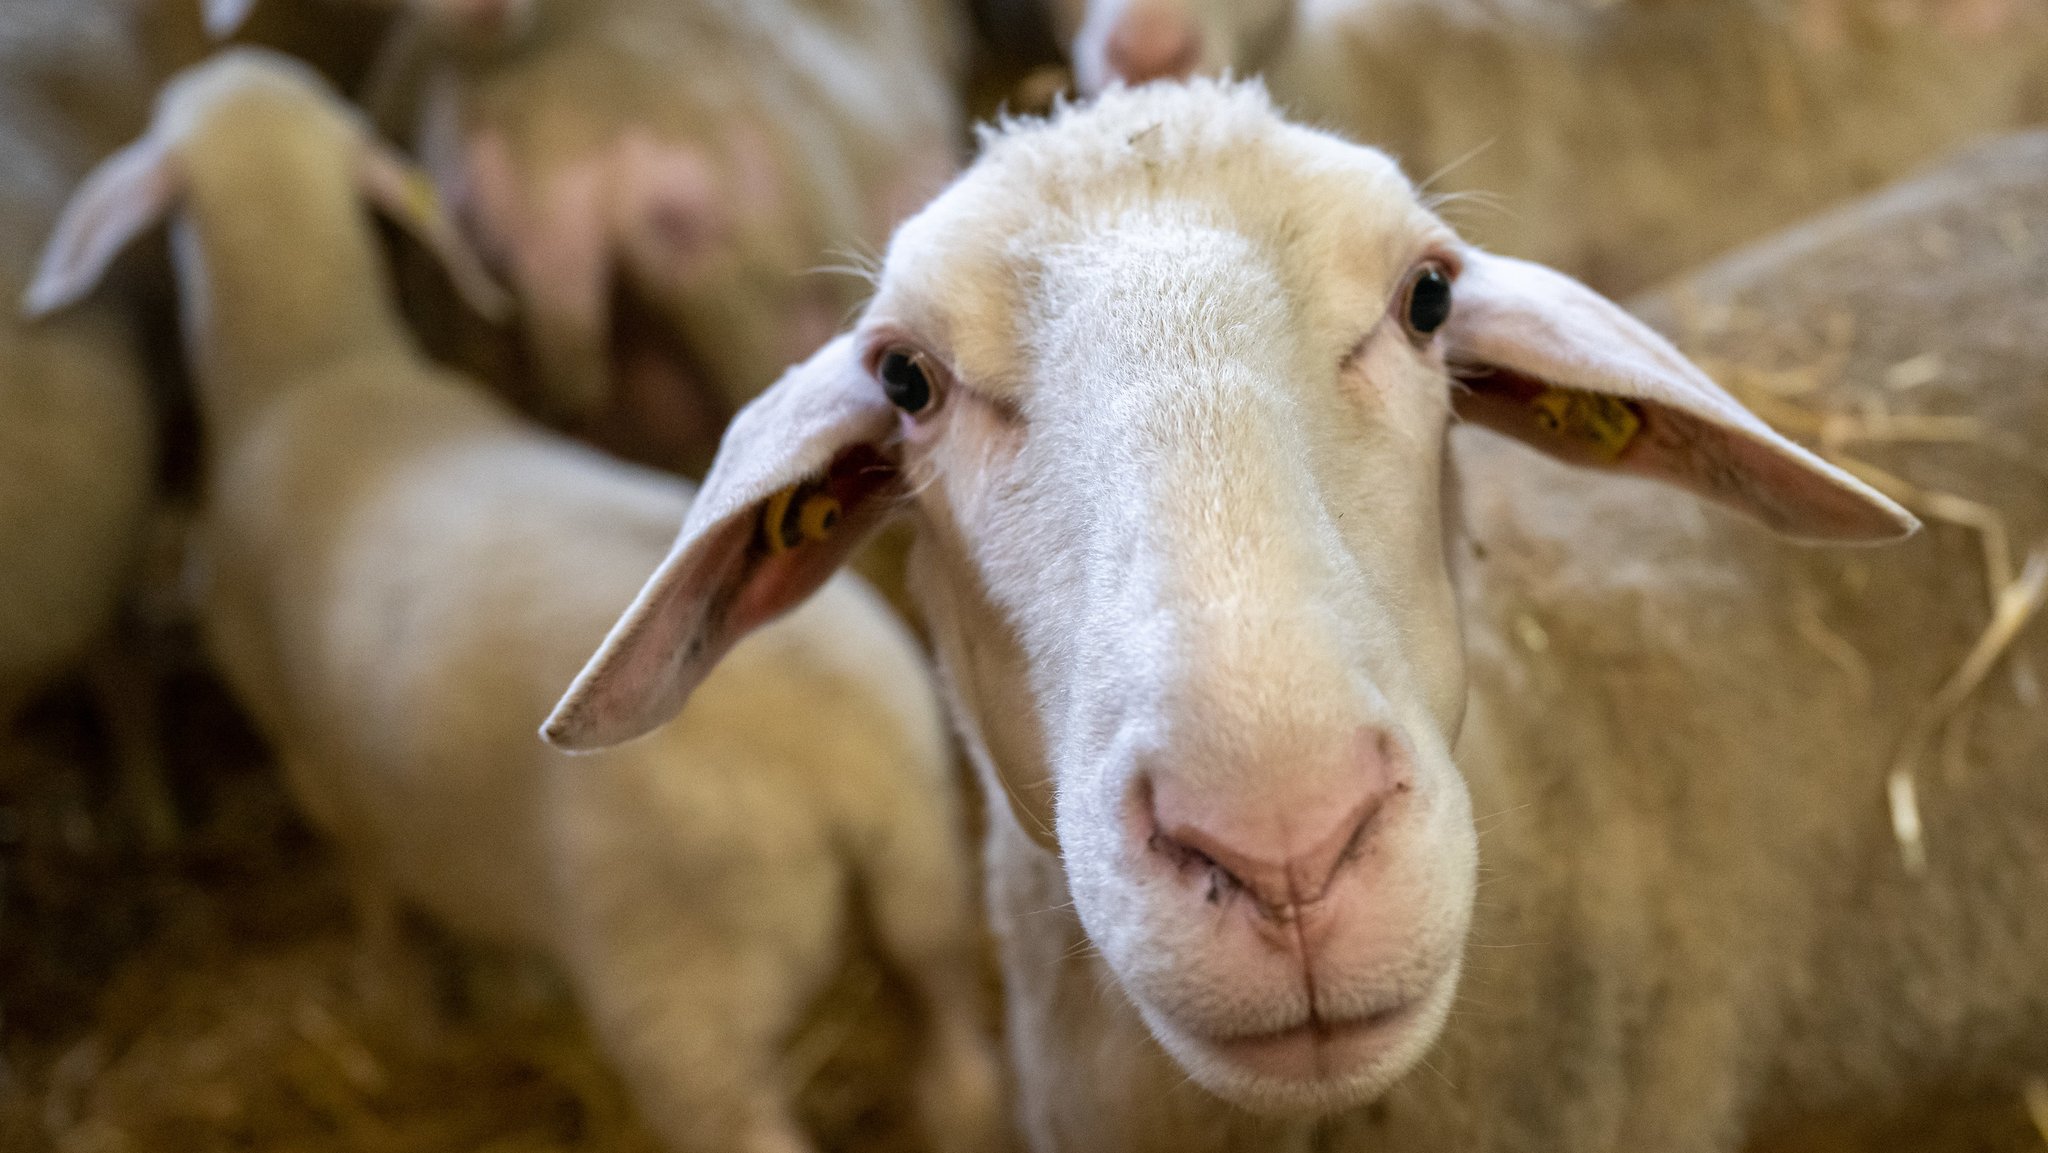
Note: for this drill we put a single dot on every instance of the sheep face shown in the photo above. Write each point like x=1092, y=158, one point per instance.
x=1189, y=508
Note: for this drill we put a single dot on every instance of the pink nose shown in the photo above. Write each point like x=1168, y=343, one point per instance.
x=1283, y=843
x=1154, y=42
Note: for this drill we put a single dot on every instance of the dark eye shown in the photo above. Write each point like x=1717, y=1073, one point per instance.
x=1429, y=300
x=905, y=380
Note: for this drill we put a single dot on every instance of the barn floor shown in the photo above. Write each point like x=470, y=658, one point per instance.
x=214, y=995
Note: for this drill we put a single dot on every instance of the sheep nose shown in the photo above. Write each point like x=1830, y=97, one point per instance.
x=1287, y=842
x=1154, y=42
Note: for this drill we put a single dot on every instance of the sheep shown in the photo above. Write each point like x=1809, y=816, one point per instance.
x=402, y=575
x=77, y=425
x=1623, y=141
x=1247, y=647
x=665, y=183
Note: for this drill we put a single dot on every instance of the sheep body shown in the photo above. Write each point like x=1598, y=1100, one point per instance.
x=400, y=577
x=77, y=431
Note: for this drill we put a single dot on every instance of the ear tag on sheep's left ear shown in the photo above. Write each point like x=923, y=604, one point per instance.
x=800, y=513
x=1605, y=424
x=815, y=510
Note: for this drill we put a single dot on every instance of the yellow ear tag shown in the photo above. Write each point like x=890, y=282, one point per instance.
x=818, y=517
x=803, y=512
x=1608, y=424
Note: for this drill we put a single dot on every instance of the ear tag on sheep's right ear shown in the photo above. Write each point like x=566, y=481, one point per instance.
x=1607, y=425
x=800, y=513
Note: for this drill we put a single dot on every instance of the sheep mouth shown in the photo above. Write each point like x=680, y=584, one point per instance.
x=1321, y=1064
x=1316, y=1049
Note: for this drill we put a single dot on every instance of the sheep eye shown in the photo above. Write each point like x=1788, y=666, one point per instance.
x=1429, y=301
x=905, y=381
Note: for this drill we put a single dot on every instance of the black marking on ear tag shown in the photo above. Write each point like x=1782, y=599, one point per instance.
x=1605, y=424
x=800, y=513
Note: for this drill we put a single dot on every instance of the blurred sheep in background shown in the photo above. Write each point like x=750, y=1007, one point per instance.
x=388, y=551
x=668, y=186
x=78, y=422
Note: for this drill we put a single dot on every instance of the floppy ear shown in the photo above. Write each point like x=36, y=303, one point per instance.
x=224, y=18
x=1550, y=362
x=805, y=473
x=129, y=193
x=408, y=196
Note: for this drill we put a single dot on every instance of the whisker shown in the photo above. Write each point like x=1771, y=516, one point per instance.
x=1425, y=185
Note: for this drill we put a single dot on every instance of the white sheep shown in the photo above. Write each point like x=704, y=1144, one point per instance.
x=403, y=575
x=77, y=427
x=1624, y=140
x=670, y=186
x=1246, y=657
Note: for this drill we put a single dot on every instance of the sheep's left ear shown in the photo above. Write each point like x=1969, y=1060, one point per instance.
x=804, y=474
x=1552, y=363
x=224, y=18
x=408, y=196
x=128, y=194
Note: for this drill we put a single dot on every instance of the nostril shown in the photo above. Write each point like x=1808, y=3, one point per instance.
x=1154, y=42
x=1283, y=842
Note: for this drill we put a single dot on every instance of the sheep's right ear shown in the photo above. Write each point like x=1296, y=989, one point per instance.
x=804, y=474
x=129, y=193
x=224, y=18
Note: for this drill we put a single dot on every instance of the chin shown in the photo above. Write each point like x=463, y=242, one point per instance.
x=1312, y=1070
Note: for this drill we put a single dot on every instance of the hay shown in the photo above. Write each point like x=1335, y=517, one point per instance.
x=2017, y=604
